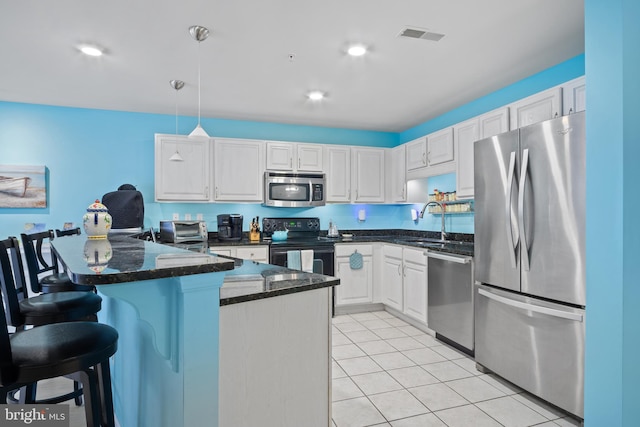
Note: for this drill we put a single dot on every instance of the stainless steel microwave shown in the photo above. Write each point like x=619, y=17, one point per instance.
x=284, y=189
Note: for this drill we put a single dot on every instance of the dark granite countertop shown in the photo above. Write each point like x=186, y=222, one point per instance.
x=456, y=243
x=252, y=280
x=121, y=258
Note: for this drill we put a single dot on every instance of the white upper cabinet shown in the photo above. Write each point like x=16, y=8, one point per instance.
x=416, y=152
x=290, y=156
x=440, y=147
x=367, y=175
x=431, y=155
x=396, y=171
x=337, y=160
x=238, y=170
x=574, y=96
x=465, y=134
x=536, y=108
x=493, y=123
x=310, y=158
x=182, y=168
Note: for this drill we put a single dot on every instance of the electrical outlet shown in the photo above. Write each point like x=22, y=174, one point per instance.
x=176, y=216
x=187, y=217
x=200, y=217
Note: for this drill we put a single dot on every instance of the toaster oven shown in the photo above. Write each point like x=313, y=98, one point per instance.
x=183, y=231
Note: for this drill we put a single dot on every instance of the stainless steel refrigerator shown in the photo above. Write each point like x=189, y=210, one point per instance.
x=529, y=295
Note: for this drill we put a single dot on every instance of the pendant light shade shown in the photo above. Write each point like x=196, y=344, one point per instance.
x=176, y=85
x=199, y=34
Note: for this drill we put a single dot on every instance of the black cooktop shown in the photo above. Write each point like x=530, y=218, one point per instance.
x=301, y=232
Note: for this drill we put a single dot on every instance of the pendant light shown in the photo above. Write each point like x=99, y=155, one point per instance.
x=176, y=85
x=199, y=34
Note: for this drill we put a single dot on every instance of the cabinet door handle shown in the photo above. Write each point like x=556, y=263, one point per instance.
x=424, y=158
x=399, y=271
x=206, y=191
x=299, y=163
x=404, y=271
x=356, y=194
x=291, y=162
x=216, y=192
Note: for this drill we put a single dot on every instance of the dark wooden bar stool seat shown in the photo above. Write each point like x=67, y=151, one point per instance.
x=37, y=264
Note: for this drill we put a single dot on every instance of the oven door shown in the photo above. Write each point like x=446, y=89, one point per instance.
x=322, y=258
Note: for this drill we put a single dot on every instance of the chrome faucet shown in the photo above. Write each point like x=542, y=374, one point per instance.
x=443, y=234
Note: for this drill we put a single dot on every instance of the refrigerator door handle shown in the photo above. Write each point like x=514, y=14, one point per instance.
x=524, y=247
x=507, y=198
x=531, y=307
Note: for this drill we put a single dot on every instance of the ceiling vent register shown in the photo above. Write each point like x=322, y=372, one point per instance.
x=416, y=33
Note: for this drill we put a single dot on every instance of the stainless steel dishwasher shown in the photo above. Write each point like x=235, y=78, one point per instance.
x=450, y=300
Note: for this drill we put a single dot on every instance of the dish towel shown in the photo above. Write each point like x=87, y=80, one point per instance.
x=355, y=261
x=306, y=260
x=293, y=260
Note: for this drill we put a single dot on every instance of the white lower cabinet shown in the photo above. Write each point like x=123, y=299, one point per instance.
x=356, y=284
x=258, y=253
x=392, y=276
x=275, y=362
x=404, y=286
x=414, y=276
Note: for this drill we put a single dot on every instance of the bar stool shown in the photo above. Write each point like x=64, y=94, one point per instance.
x=56, y=281
x=80, y=350
x=43, y=309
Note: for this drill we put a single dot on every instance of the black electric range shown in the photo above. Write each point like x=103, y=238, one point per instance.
x=302, y=233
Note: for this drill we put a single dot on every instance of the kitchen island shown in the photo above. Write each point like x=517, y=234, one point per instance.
x=165, y=303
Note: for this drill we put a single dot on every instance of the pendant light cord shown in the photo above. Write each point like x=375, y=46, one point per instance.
x=199, y=87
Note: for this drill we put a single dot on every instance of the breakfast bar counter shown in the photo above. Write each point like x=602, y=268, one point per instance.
x=182, y=359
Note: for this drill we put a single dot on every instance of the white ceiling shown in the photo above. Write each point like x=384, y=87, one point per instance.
x=246, y=70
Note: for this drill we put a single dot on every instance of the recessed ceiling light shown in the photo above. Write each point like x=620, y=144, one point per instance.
x=316, y=95
x=91, y=50
x=357, y=50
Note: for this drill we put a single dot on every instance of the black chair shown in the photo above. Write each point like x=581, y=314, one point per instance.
x=56, y=281
x=43, y=309
x=79, y=350
x=68, y=232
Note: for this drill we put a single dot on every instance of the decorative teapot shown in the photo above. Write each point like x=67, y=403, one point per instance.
x=97, y=221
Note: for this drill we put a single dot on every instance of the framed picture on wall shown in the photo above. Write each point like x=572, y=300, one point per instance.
x=23, y=186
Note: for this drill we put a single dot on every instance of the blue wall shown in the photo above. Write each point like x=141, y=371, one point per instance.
x=91, y=152
x=613, y=234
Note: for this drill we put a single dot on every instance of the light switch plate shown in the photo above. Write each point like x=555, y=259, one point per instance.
x=187, y=217
x=176, y=216
x=199, y=217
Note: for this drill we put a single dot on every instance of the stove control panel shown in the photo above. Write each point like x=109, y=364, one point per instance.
x=302, y=225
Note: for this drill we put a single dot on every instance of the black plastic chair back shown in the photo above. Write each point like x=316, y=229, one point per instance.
x=68, y=232
x=12, y=281
x=7, y=369
x=36, y=263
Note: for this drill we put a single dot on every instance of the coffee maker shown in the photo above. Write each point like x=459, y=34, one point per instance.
x=230, y=227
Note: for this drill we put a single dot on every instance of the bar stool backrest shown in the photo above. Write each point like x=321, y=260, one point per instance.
x=12, y=281
x=36, y=262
